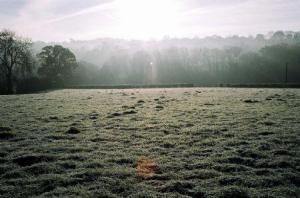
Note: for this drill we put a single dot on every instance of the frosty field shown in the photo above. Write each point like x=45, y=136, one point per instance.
x=197, y=142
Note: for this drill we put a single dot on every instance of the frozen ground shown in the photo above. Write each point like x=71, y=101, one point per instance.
x=199, y=142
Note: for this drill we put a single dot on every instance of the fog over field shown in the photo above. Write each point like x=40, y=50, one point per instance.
x=210, y=60
x=150, y=98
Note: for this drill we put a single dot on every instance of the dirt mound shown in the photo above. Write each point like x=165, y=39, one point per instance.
x=73, y=130
x=250, y=101
x=4, y=129
x=32, y=159
x=6, y=135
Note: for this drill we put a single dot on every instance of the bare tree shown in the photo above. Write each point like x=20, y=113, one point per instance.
x=13, y=52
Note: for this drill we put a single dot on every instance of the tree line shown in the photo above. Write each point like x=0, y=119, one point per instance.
x=239, y=60
x=22, y=71
x=203, y=66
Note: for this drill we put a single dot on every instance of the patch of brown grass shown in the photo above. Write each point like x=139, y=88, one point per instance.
x=146, y=168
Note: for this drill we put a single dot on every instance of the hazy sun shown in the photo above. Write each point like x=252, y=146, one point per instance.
x=147, y=18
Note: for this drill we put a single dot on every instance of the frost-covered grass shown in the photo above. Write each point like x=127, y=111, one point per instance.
x=202, y=142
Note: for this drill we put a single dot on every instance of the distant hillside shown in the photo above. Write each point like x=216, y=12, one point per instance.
x=98, y=51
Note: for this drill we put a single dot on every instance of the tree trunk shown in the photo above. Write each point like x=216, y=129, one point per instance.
x=9, y=83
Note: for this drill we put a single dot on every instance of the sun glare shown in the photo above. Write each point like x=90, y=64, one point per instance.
x=145, y=19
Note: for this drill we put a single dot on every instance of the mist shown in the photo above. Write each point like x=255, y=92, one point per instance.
x=208, y=60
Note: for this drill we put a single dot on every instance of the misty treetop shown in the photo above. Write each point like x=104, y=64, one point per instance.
x=100, y=50
x=211, y=60
x=56, y=63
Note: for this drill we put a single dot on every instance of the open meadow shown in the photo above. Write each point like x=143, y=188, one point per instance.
x=185, y=142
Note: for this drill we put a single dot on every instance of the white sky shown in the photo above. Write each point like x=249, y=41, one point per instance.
x=57, y=20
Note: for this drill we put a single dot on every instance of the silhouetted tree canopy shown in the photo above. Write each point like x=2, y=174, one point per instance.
x=15, y=59
x=56, y=64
